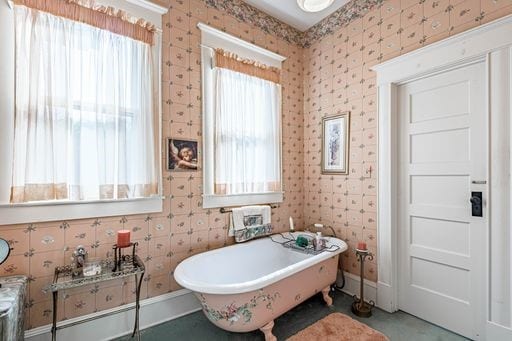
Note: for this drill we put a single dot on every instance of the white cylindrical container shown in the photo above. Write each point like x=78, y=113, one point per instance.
x=318, y=241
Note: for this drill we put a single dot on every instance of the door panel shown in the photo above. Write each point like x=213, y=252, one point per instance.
x=429, y=104
x=445, y=235
x=426, y=189
x=430, y=147
x=452, y=277
x=442, y=149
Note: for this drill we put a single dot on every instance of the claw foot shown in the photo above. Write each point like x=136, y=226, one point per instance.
x=327, y=298
x=267, y=331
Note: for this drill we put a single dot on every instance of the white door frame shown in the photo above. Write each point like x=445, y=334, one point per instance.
x=477, y=43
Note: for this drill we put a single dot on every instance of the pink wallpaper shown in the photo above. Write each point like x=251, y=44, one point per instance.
x=331, y=76
x=337, y=78
x=183, y=228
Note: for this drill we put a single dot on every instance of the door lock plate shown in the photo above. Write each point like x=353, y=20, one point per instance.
x=476, y=204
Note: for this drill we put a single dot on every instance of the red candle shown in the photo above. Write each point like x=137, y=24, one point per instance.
x=361, y=246
x=123, y=238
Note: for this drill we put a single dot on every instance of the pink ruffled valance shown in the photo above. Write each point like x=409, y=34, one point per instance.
x=104, y=17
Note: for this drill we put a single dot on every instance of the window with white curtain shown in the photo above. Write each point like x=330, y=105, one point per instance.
x=84, y=123
x=86, y=120
x=247, y=139
x=241, y=126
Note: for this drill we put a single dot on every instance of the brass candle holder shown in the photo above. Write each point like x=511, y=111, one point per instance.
x=360, y=307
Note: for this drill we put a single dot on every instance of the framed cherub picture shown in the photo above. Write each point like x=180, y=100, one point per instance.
x=335, y=143
x=181, y=155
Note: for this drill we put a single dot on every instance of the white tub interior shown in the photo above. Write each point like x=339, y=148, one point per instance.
x=245, y=262
x=248, y=266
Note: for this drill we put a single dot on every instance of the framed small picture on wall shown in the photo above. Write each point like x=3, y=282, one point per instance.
x=181, y=155
x=335, y=143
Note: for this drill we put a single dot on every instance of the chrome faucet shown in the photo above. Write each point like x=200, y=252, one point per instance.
x=322, y=226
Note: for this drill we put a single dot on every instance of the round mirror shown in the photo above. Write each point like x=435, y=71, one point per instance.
x=5, y=249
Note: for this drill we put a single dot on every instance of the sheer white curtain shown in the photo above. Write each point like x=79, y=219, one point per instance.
x=85, y=125
x=247, y=134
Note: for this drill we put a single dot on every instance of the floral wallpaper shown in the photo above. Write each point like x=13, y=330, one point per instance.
x=341, y=17
x=251, y=15
x=337, y=78
x=183, y=228
x=332, y=75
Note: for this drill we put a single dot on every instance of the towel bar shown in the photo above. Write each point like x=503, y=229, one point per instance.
x=227, y=210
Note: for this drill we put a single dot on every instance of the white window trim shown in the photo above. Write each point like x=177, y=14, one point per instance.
x=43, y=212
x=66, y=210
x=213, y=38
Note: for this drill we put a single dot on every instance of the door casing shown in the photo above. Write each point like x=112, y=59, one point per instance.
x=481, y=43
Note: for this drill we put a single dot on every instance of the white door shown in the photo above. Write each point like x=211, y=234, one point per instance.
x=442, y=160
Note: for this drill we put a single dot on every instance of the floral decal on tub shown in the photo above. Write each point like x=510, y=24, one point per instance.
x=233, y=313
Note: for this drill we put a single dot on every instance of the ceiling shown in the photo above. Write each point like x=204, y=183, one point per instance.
x=289, y=12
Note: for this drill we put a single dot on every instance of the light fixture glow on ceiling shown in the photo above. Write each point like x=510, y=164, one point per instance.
x=314, y=5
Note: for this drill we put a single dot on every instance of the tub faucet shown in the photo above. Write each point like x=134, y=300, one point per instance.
x=321, y=226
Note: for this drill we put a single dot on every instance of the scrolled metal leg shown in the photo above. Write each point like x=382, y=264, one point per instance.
x=138, y=285
x=134, y=246
x=360, y=307
x=54, y=312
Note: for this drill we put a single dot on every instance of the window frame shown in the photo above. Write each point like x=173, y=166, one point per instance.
x=55, y=210
x=213, y=38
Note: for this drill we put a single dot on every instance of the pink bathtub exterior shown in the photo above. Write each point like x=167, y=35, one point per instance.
x=264, y=305
x=246, y=286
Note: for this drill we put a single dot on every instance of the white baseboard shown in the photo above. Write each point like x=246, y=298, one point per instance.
x=351, y=287
x=167, y=307
x=153, y=311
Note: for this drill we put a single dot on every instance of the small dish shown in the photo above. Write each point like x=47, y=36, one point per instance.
x=92, y=267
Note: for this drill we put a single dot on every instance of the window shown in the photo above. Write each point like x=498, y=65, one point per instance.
x=241, y=122
x=86, y=121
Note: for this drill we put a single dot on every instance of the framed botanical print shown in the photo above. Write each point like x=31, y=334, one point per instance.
x=335, y=143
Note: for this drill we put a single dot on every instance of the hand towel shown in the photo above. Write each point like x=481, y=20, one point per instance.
x=245, y=217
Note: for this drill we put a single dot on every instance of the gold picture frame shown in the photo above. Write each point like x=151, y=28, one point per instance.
x=335, y=143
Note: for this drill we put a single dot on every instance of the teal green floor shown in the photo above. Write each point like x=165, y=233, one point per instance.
x=398, y=326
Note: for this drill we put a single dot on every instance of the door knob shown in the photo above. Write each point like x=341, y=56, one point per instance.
x=475, y=200
x=476, y=204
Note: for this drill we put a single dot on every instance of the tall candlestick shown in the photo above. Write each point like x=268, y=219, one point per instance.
x=123, y=238
x=360, y=307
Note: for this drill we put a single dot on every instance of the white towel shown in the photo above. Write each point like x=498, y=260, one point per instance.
x=247, y=216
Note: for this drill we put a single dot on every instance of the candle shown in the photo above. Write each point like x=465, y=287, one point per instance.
x=292, y=228
x=361, y=246
x=123, y=238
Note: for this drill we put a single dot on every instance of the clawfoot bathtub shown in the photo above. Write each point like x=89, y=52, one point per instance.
x=246, y=286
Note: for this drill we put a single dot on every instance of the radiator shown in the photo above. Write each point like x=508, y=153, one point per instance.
x=12, y=307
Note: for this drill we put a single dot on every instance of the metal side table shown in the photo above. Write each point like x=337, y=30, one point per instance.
x=64, y=279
